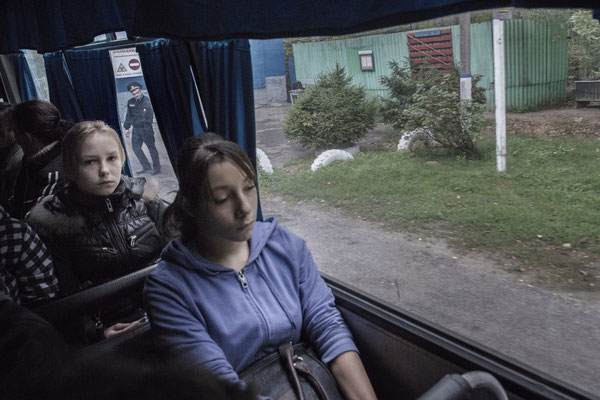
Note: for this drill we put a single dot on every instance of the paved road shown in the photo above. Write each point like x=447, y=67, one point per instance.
x=555, y=332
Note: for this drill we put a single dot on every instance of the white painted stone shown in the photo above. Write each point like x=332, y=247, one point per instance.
x=263, y=161
x=409, y=138
x=329, y=156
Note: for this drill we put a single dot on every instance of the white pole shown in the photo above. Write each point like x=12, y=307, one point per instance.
x=500, y=95
x=465, y=56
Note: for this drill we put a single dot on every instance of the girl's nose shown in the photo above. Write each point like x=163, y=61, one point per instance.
x=244, y=207
x=103, y=169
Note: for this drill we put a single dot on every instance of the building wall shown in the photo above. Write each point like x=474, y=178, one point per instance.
x=535, y=54
x=268, y=70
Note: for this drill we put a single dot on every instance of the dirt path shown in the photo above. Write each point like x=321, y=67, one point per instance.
x=555, y=332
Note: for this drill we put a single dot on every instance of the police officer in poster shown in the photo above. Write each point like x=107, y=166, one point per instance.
x=139, y=116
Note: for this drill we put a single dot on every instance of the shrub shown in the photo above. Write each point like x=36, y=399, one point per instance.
x=402, y=88
x=333, y=112
x=430, y=98
x=451, y=122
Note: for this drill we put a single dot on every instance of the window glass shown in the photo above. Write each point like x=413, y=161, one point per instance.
x=508, y=259
x=38, y=71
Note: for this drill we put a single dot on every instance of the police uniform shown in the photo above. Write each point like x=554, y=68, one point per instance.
x=140, y=115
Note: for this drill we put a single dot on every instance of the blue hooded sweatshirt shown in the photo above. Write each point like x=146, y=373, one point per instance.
x=212, y=316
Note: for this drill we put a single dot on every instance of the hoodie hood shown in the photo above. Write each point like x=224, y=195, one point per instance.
x=182, y=254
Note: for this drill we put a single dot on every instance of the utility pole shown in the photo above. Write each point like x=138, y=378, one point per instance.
x=465, y=56
x=499, y=88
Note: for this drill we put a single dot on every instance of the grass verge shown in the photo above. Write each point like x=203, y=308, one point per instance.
x=542, y=215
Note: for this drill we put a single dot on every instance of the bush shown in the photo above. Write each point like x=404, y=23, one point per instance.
x=451, y=122
x=332, y=113
x=584, y=46
x=430, y=98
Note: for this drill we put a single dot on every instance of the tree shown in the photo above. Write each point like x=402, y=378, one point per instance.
x=333, y=112
x=584, y=49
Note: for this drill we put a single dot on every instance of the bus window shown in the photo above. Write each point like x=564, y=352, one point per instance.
x=507, y=259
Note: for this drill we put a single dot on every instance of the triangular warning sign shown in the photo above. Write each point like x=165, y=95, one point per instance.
x=121, y=68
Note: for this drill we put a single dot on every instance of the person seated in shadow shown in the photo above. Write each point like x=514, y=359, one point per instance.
x=26, y=269
x=11, y=155
x=114, y=375
x=38, y=129
x=101, y=225
x=37, y=364
x=31, y=350
x=230, y=290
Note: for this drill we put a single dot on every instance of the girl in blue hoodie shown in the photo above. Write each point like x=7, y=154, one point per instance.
x=230, y=290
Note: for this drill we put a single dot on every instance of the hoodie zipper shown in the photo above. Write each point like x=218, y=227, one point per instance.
x=242, y=279
x=267, y=327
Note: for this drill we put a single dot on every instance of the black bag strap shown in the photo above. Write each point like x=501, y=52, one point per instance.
x=294, y=364
x=301, y=367
x=286, y=352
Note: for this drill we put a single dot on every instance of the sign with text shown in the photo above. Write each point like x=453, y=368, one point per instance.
x=126, y=63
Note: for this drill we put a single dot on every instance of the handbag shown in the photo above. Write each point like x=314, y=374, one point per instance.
x=293, y=373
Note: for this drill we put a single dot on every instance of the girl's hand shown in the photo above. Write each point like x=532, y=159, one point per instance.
x=120, y=328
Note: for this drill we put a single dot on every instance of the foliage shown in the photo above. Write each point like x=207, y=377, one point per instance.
x=584, y=47
x=402, y=89
x=451, y=122
x=333, y=112
x=554, y=17
x=430, y=98
x=547, y=197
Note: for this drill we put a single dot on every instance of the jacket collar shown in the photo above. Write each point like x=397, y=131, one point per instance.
x=44, y=156
x=128, y=189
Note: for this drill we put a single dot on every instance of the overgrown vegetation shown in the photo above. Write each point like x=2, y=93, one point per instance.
x=333, y=112
x=584, y=48
x=430, y=98
x=542, y=215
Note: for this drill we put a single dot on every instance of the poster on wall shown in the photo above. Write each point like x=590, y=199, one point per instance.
x=146, y=151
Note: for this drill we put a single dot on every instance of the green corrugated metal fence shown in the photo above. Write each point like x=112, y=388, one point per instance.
x=536, y=60
x=536, y=64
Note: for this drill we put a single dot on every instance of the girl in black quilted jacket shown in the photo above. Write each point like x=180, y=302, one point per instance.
x=102, y=225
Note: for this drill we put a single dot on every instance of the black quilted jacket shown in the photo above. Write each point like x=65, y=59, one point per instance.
x=95, y=239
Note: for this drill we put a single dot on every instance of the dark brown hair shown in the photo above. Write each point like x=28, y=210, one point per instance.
x=5, y=108
x=40, y=119
x=196, y=155
x=73, y=141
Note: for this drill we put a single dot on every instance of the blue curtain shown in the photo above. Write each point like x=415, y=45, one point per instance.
x=59, y=24
x=167, y=74
x=24, y=78
x=226, y=89
x=94, y=85
x=62, y=93
x=82, y=86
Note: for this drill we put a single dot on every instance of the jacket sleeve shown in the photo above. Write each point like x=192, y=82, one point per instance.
x=127, y=123
x=36, y=273
x=323, y=324
x=149, y=114
x=63, y=268
x=180, y=328
x=156, y=211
